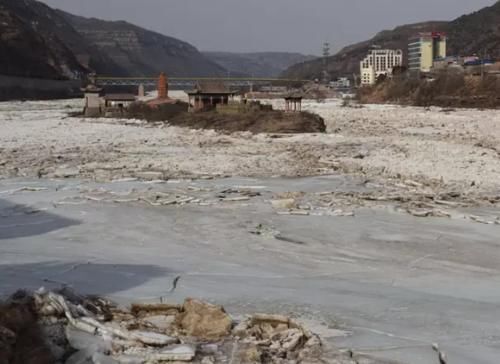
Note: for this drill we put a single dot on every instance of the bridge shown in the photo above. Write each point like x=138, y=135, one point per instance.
x=189, y=82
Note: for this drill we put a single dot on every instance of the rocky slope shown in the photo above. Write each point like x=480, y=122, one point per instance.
x=55, y=26
x=28, y=45
x=38, y=41
x=260, y=64
x=478, y=32
x=473, y=33
x=141, y=52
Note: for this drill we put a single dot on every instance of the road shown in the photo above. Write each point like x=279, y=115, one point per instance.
x=393, y=283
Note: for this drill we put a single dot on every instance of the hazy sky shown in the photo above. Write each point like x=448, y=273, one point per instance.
x=270, y=25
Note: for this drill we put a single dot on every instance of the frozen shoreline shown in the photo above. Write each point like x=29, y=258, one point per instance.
x=458, y=148
x=404, y=151
x=391, y=282
x=380, y=283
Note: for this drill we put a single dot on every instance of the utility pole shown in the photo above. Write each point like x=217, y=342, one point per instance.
x=326, y=55
x=326, y=49
x=482, y=64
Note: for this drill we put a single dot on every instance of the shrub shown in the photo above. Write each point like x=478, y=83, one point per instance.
x=140, y=110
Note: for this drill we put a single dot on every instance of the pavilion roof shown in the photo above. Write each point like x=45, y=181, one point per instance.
x=211, y=87
x=294, y=95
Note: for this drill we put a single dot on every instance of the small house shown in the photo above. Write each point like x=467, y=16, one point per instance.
x=116, y=104
x=98, y=103
x=118, y=100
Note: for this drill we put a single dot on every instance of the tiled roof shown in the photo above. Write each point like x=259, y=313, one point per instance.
x=211, y=87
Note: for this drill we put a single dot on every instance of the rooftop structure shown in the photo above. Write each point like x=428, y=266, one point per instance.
x=424, y=49
x=379, y=62
x=208, y=94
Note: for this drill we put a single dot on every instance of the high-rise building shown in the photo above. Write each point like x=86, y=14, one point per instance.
x=379, y=62
x=424, y=49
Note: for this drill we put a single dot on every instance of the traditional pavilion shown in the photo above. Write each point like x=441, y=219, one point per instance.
x=293, y=102
x=208, y=94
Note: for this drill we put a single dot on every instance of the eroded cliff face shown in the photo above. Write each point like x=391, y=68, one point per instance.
x=26, y=47
x=38, y=41
x=142, y=52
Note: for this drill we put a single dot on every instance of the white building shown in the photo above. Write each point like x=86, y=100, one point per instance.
x=379, y=62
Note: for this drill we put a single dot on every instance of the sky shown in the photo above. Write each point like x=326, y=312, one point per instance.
x=270, y=25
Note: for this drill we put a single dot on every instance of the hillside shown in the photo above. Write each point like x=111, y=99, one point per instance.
x=29, y=47
x=346, y=62
x=41, y=42
x=476, y=33
x=473, y=33
x=141, y=52
x=260, y=64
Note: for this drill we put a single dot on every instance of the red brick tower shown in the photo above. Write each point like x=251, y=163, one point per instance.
x=163, y=86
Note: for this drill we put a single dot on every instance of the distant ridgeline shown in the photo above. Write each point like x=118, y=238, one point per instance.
x=260, y=64
x=478, y=32
x=38, y=41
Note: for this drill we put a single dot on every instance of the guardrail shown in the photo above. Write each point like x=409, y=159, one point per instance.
x=190, y=81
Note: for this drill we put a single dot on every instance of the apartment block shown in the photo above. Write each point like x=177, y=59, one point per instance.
x=379, y=62
x=424, y=49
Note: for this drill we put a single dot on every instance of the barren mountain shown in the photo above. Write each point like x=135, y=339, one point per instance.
x=29, y=47
x=141, y=52
x=41, y=42
x=260, y=64
x=346, y=62
x=478, y=32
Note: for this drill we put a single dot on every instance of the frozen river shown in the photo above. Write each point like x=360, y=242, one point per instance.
x=381, y=282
